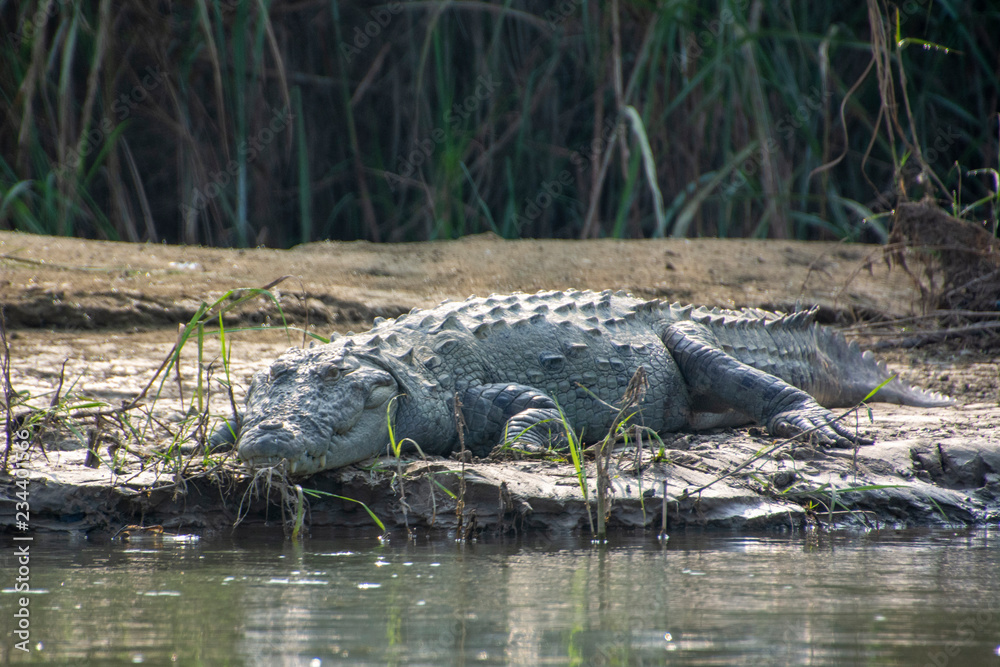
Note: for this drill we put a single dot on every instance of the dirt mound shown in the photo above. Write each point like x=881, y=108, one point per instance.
x=958, y=262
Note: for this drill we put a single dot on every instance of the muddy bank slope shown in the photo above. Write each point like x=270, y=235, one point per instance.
x=98, y=319
x=49, y=282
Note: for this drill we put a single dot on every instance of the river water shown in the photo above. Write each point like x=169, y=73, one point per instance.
x=883, y=598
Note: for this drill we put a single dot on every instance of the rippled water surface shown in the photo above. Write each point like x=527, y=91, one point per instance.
x=716, y=599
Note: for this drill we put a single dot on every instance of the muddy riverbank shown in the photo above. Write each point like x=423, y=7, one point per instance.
x=90, y=323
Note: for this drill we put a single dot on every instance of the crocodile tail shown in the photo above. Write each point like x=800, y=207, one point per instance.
x=814, y=358
x=863, y=372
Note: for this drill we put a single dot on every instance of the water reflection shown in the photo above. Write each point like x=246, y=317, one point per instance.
x=903, y=598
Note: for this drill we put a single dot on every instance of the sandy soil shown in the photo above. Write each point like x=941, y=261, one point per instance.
x=101, y=317
x=51, y=282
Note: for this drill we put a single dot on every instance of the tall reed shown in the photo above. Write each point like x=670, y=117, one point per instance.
x=254, y=122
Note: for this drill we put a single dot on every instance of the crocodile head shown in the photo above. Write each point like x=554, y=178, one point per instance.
x=317, y=409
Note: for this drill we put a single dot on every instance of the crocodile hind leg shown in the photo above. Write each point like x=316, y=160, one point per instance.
x=514, y=414
x=785, y=410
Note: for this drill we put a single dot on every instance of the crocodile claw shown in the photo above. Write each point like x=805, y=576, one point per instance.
x=820, y=424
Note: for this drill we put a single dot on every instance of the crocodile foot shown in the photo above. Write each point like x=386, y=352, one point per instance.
x=820, y=424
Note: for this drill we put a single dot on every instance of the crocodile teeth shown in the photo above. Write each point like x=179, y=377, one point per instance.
x=322, y=462
x=293, y=467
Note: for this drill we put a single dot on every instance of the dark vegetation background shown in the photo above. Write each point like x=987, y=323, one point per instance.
x=243, y=123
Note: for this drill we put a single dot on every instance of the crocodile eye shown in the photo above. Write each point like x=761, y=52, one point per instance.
x=332, y=374
x=277, y=369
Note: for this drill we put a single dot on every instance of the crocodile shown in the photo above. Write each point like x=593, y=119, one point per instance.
x=520, y=368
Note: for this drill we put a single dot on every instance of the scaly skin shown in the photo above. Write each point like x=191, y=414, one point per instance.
x=513, y=361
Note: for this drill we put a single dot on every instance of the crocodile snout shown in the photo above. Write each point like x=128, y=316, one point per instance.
x=270, y=440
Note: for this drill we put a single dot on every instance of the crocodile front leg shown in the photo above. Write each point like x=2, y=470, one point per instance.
x=785, y=410
x=506, y=413
x=224, y=437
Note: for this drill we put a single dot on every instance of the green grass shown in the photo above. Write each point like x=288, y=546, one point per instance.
x=575, y=447
x=135, y=435
x=136, y=419
x=238, y=124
